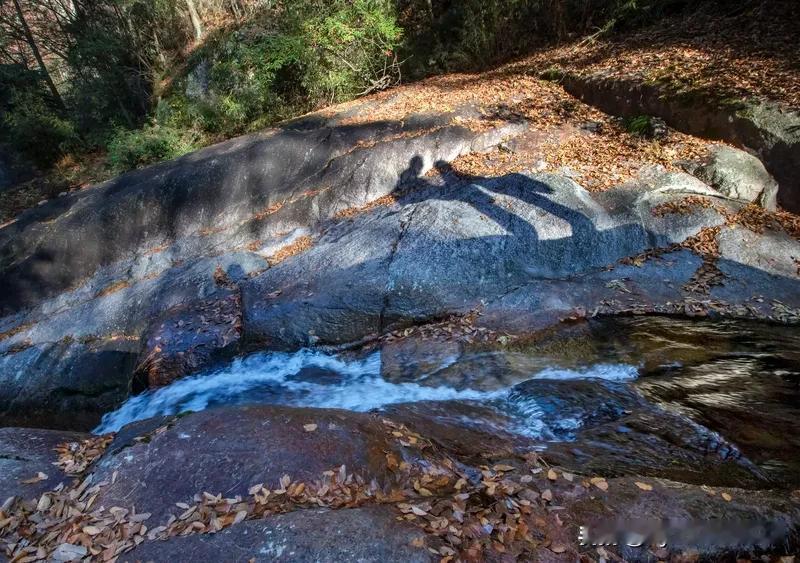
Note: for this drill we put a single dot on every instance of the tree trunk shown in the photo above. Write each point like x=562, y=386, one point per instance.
x=32, y=43
x=196, y=24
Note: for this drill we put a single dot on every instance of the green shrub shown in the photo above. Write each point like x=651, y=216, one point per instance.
x=133, y=149
x=640, y=125
x=29, y=120
x=288, y=61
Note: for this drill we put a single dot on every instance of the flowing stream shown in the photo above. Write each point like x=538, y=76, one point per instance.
x=652, y=388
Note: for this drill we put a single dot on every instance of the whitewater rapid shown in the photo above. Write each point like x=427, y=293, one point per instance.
x=277, y=378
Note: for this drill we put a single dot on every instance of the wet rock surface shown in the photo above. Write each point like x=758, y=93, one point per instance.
x=190, y=337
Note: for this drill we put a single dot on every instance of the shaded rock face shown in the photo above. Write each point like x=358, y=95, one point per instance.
x=26, y=452
x=370, y=534
x=66, y=384
x=739, y=175
x=190, y=337
x=768, y=130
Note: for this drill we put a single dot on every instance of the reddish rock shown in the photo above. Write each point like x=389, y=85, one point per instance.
x=228, y=450
x=190, y=337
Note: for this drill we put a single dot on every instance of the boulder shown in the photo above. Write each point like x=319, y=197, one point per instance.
x=369, y=534
x=66, y=384
x=228, y=450
x=26, y=452
x=739, y=175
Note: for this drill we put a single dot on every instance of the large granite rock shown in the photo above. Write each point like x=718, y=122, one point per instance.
x=526, y=249
x=739, y=175
x=220, y=198
x=230, y=449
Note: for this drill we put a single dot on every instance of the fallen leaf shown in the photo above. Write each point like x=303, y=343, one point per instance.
x=547, y=495
x=727, y=497
x=310, y=427
x=599, y=482
x=552, y=475
x=39, y=477
x=558, y=548
x=644, y=486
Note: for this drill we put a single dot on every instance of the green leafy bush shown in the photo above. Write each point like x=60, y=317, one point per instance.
x=133, y=149
x=288, y=61
x=30, y=120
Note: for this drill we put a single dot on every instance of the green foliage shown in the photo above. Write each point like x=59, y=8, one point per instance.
x=30, y=119
x=150, y=144
x=284, y=63
x=349, y=45
x=642, y=125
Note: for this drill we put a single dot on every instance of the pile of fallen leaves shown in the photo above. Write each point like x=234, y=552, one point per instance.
x=65, y=525
x=301, y=244
x=75, y=457
x=683, y=206
x=353, y=211
x=737, y=55
x=758, y=219
x=457, y=327
x=704, y=243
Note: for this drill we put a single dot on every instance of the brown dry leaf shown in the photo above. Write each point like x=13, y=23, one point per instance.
x=727, y=497
x=644, y=486
x=37, y=478
x=599, y=482
x=557, y=548
x=502, y=467
x=568, y=476
x=552, y=475
x=310, y=427
x=547, y=495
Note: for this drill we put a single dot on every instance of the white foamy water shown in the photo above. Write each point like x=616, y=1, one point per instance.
x=272, y=378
